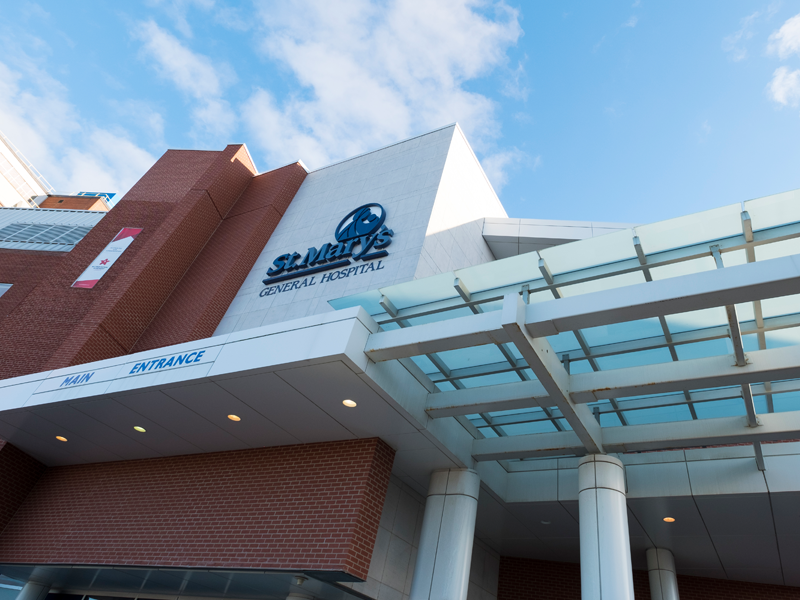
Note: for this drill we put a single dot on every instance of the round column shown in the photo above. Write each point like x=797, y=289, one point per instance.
x=661, y=569
x=33, y=591
x=606, y=572
x=448, y=530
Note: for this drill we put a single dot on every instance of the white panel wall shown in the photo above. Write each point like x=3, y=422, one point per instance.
x=435, y=195
x=392, y=568
x=454, y=238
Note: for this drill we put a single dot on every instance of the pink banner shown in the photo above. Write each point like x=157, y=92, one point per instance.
x=107, y=257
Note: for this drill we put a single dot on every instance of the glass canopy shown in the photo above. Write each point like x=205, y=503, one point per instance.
x=756, y=230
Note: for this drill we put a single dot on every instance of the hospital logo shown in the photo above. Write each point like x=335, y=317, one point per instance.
x=361, y=235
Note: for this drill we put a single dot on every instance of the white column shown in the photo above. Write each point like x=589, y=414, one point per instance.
x=33, y=591
x=448, y=529
x=606, y=572
x=661, y=568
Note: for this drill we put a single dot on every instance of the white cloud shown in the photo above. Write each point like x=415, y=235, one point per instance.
x=177, y=11
x=72, y=153
x=195, y=75
x=785, y=86
x=371, y=74
x=631, y=22
x=734, y=43
x=786, y=41
x=497, y=166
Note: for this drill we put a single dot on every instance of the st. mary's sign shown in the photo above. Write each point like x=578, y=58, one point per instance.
x=361, y=235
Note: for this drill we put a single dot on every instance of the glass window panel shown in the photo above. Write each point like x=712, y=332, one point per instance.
x=785, y=305
x=783, y=337
x=697, y=319
x=441, y=316
x=786, y=402
x=720, y=408
x=488, y=432
x=610, y=420
x=686, y=267
x=734, y=258
x=564, y=342
x=600, y=250
x=774, y=210
x=445, y=386
x=579, y=366
x=622, y=332
x=424, y=363
x=718, y=347
x=493, y=379
x=778, y=249
x=606, y=283
x=700, y=227
x=745, y=312
x=564, y=424
x=526, y=428
x=500, y=273
x=533, y=413
x=750, y=342
x=660, y=414
x=634, y=359
x=472, y=357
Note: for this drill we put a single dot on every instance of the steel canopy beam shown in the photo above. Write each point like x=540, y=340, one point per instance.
x=545, y=364
x=462, y=332
x=732, y=285
x=507, y=396
x=637, y=438
x=700, y=373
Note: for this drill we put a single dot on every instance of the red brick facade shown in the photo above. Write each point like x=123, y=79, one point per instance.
x=311, y=507
x=18, y=474
x=525, y=579
x=205, y=218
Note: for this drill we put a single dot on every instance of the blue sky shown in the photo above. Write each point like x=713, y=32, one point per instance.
x=630, y=111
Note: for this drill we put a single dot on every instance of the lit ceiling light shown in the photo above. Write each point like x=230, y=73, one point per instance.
x=140, y=429
x=669, y=519
x=545, y=522
x=61, y=438
x=234, y=417
x=349, y=403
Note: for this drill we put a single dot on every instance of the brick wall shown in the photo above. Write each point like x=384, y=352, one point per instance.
x=18, y=474
x=525, y=579
x=205, y=219
x=24, y=269
x=199, y=301
x=311, y=507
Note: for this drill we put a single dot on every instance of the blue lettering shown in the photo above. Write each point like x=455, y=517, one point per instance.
x=379, y=267
x=189, y=358
x=179, y=360
x=312, y=282
x=135, y=368
x=326, y=277
x=199, y=355
x=151, y=364
x=87, y=377
x=67, y=381
x=280, y=264
x=161, y=363
x=169, y=362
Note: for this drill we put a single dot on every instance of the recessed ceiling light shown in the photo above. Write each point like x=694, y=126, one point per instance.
x=61, y=438
x=140, y=429
x=545, y=522
x=669, y=520
x=234, y=417
x=349, y=403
